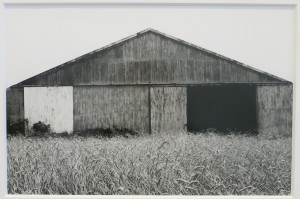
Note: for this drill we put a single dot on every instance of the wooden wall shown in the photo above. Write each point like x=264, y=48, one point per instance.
x=129, y=107
x=274, y=109
x=108, y=106
x=51, y=105
x=148, y=58
x=168, y=109
x=15, y=104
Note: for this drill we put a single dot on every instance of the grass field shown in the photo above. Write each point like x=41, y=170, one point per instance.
x=183, y=164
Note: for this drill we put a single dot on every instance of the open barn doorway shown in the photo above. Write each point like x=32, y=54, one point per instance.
x=222, y=107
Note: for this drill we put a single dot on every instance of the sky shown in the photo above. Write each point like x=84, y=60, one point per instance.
x=40, y=38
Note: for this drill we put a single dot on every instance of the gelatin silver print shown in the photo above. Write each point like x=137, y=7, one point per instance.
x=150, y=113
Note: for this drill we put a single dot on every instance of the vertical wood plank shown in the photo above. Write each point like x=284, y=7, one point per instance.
x=168, y=109
x=108, y=106
x=274, y=106
x=15, y=104
x=148, y=57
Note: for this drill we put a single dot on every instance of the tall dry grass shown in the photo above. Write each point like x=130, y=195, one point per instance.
x=170, y=164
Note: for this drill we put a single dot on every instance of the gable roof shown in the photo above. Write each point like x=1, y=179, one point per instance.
x=150, y=30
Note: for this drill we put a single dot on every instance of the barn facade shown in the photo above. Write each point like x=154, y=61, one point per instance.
x=151, y=82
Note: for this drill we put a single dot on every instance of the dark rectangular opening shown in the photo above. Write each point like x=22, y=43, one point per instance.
x=222, y=107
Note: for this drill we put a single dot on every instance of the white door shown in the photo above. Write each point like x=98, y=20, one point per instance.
x=51, y=105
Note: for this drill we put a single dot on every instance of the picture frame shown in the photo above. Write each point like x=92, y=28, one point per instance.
x=167, y=3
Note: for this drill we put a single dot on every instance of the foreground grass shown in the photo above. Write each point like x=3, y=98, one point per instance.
x=183, y=164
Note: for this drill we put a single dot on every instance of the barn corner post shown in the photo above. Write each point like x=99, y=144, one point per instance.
x=149, y=108
x=257, y=132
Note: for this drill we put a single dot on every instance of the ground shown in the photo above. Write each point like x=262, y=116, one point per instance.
x=158, y=164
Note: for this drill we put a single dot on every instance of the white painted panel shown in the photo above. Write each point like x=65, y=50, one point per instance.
x=51, y=105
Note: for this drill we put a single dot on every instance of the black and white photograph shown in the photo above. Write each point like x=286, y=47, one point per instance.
x=149, y=100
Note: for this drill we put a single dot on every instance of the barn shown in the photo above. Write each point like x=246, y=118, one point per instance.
x=151, y=82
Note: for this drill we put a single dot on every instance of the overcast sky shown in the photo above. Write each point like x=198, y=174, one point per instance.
x=38, y=39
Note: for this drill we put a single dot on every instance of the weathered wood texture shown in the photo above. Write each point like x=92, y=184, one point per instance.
x=108, y=106
x=15, y=104
x=148, y=58
x=51, y=105
x=274, y=109
x=168, y=109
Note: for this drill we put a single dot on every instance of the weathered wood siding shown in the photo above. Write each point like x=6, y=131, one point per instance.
x=148, y=58
x=51, y=105
x=111, y=87
x=168, y=109
x=108, y=106
x=15, y=104
x=274, y=109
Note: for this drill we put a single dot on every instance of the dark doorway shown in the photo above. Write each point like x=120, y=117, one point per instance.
x=222, y=107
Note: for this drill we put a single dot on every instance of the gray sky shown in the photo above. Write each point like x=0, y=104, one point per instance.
x=41, y=38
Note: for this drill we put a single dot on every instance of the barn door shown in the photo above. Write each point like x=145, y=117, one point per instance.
x=51, y=105
x=222, y=107
x=168, y=109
